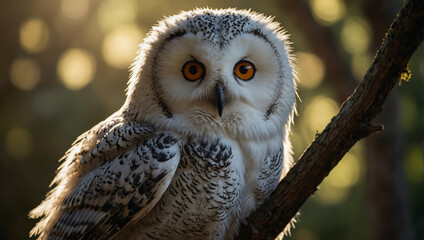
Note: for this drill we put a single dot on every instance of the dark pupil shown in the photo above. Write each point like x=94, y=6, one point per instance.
x=243, y=69
x=192, y=70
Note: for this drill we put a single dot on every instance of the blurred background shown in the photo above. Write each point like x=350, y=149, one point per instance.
x=64, y=67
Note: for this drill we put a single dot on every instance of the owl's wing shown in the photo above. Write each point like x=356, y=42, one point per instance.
x=124, y=189
x=107, y=139
x=111, y=170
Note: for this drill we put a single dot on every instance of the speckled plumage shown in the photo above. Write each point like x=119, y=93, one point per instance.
x=168, y=165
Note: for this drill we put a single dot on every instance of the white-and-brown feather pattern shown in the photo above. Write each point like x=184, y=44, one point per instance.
x=131, y=179
x=119, y=191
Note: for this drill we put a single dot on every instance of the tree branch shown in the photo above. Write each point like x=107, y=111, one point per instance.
x=352, y=123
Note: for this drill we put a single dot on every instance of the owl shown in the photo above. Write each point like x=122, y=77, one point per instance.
x=200, y=142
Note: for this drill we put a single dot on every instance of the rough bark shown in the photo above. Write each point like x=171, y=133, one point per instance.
x=352, y=123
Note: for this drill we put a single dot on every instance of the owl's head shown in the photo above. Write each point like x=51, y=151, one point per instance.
x=224, y=71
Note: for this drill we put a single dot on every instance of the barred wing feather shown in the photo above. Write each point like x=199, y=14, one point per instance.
x=119, y=191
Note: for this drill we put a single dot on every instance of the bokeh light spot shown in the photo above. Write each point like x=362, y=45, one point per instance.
x=74, y=9
x=329, y=195
x=310, y=70
x=24, y=73
x=319, y=113
x=335, y=187
x=18, y=143
x=346, y=173
x=414, y=165
x=76, y=68
x=328, y=12
x=355, y=35
x=120, y=46
x=360, y=64
x=113, y=13
x=34, y=35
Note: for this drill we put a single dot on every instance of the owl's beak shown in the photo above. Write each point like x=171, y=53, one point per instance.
x=220, y=97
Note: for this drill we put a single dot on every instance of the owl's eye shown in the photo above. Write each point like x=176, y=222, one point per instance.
x=193, y=70
x=244, y=70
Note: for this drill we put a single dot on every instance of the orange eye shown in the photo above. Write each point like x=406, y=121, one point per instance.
x=193, y=70
x=244, y=70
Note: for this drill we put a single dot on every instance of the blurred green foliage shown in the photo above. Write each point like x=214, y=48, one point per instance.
x=44, y=107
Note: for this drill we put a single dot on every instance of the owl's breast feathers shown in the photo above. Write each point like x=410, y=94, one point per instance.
x=201, y=198
x=211, y=192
